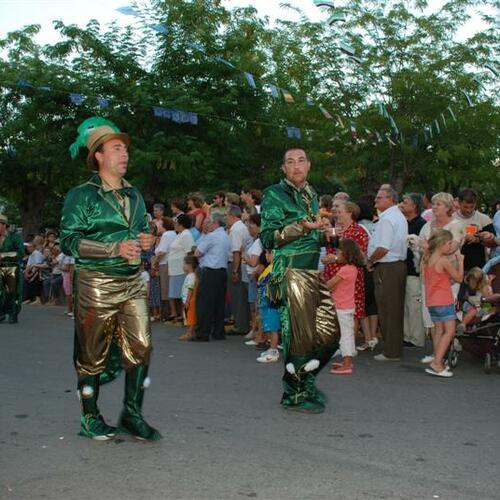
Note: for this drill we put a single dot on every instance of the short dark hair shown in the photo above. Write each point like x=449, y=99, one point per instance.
x=178, y=203
x=467, y=195
x=366, y=207
x=256, y=195
x=168, y=223
x=417, y=199
x=184, y=220
x=192, y=260
x=255, y=218
x=293, y=149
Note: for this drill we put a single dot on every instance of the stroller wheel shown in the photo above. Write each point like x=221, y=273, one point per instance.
x=452, y=358
x=487, y=363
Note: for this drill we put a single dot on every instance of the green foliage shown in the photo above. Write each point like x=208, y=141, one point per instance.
x=411, y=60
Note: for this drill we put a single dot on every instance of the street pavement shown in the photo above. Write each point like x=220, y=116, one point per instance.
x=389, y=432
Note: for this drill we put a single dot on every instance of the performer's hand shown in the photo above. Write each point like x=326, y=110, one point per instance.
x=318, y=224
x=146, y=240
x=130, y=249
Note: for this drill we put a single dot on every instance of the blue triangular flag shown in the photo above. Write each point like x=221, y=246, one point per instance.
x=467, y=98
x=76, y=99
x=103, y=103
x=128, y=10
x=293, y=132
x=159, y=28
x=274, y=91
x=24, y=83
x=453, y=117
x=250, y=80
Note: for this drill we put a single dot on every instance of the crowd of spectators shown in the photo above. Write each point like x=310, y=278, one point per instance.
x=209, y=271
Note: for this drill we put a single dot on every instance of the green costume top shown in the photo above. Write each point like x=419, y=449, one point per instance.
x=96, y=219
x=12, y=243
x=283, y=208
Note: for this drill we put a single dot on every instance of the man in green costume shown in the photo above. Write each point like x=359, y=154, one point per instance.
x=104, y=226
x=11, y=276
x=292, y=229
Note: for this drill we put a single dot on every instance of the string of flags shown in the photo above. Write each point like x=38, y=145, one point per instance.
x=434, y=125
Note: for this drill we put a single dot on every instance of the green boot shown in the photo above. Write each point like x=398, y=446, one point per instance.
x=131, y=420
x=92, y=425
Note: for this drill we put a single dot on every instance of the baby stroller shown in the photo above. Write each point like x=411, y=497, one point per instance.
x=482, y=337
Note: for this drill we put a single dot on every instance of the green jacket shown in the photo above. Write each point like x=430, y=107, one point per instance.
x=12, y=243
x=94, y=223
x=283, y=207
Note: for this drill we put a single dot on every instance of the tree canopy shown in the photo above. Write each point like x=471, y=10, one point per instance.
x=398, y=109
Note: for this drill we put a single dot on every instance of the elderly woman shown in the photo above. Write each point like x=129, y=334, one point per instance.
x=181, y=245
x=443, y=206
x=346, y=214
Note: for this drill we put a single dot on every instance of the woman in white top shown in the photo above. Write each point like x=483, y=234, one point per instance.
x=181, y=245
x=168, y=234
x=442, y=209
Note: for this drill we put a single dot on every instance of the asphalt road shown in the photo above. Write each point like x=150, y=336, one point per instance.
x=389, y=432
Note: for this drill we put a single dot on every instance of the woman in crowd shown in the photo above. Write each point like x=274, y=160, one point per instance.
x=443, y=206
x=168, y=234
x=195, y=206
x=346, y=214
x=181, y=245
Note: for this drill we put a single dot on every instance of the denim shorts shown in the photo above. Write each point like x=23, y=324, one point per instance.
x=442, y=313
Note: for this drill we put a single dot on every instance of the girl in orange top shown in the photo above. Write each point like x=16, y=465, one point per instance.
x=438, y=271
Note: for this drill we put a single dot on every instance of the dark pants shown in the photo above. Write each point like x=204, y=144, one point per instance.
x=390, y=284
x=210, y=300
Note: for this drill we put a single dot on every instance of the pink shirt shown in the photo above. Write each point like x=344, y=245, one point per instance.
x=343, y=293
x=437, y=288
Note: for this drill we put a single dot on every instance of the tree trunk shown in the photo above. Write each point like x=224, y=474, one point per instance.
x=32, y=209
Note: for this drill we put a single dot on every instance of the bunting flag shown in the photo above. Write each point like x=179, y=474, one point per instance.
x=346, y=49
x=250, y=80
x=196, y=46
x=414, y=140
x=452, y=114
x=309, y=101
x=103, y=103
x=335, y=18
x=274, y=91
x=443, y=120
x=467, y=98
x=493, y=67
x=478, y=80
x=436, y=124
x=389, y=139
x=323, y=3
x=355, y=59
x=393, y=124
x=24, y=83
x=354, y=133
x=339, y=121
x=46, y=89
x=159, y=28
x=128, y=10
x=293, y=132
x=76, y=99
x=326, y=114
x=223, y=61
x=176, y=115
x=287, y=96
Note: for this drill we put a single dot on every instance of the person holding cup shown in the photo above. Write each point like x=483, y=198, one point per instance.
x=104, y=226
x=477, y=228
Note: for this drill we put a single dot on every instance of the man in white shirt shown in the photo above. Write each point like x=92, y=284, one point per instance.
x=475, y=225
x=387, y=253
x=238, y=288
x=213, y=248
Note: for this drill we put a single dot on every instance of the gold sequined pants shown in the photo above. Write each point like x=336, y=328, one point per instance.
x=106, y=307
x=312, y=315
x=8, y=277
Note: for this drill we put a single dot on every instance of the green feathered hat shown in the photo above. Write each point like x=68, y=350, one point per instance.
x=92, y=133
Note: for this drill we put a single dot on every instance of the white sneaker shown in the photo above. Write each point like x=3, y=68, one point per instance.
x=457, y=346
x=251, y=342
x=250, y=335
x=427, y=359
x=383, y=357
x=269, y=356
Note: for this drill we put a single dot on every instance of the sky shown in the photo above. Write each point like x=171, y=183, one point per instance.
x=14, y=14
